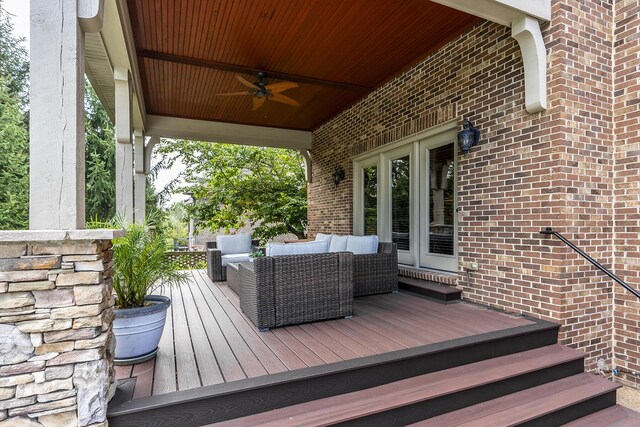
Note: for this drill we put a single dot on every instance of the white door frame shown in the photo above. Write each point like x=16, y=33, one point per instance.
x=426, y=259
x=415, y=146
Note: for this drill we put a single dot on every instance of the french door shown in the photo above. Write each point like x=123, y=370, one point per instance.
x=407, y=195
x=438, y=225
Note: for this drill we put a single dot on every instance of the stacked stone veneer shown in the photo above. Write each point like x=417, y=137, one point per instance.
x=574, y=167
x=56, y=341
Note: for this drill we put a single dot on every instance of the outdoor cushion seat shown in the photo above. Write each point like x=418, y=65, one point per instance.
x=226, y=249
x=375, y=264
x=313, y=247
x=293, y=289
x=226, y=259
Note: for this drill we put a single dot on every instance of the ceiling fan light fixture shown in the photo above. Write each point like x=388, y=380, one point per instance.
x=262, y=91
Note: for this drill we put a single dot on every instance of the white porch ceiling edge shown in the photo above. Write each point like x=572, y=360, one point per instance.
x=202, y=130
x=523, y=17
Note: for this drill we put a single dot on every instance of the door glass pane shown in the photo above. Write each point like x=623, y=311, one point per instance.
x=400, y=209
x=441, y=203
x=370, y=200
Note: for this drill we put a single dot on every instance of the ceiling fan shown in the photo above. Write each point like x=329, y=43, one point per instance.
x=262, y=91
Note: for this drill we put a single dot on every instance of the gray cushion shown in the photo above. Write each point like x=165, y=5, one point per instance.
x=226, y=259
x=321, y=237
x=362, y=244
x=314, y=247
x=235, y=244
x=338, y=243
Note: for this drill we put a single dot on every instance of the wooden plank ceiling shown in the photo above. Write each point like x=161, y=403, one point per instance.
x=189, y=51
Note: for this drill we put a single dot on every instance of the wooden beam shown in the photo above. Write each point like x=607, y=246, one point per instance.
x=201, y=130
x=57, y=163
x=248, y=70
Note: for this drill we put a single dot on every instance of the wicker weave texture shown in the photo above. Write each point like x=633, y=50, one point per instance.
x=288, y=290
x=376, y=273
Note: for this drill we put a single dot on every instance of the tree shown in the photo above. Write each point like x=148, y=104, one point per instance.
x=14, y=129
x=235, y=185
x=14, y=164
x=14, y=61
x=100, y=152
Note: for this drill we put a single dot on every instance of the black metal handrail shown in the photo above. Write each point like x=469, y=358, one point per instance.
x=549, y=231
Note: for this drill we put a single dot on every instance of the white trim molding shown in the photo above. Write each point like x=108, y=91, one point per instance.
x=91, y=15
x=524, y=17
x=229, y=133
x=526, y=31
x=503, y=12
x=308, y=164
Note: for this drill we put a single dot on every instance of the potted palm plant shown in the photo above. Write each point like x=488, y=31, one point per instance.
x=140, y=267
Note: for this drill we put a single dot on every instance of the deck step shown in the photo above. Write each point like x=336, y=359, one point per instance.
x=614, y=416
x=549, y=404
x=429, y=395
x=433, y=290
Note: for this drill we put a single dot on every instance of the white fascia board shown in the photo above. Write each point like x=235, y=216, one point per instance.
x=118, y=43
x=503, y=12
x=229, y=133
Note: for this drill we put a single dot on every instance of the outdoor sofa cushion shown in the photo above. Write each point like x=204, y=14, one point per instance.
x=338, y=243
x=355, y=244
x=358, y=245
x=226, y=259
x=314, y=247
x=234, y=244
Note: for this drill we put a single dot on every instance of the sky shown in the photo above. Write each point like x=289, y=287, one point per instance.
x=19, y=9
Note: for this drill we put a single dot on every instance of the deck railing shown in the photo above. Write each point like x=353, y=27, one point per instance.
x=550, y=231
x=188, y=260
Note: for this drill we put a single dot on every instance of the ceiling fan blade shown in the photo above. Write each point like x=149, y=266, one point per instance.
x=285, y=100
x=246, y=82
x=233, y=93
x=257, y=103
x=281, y=87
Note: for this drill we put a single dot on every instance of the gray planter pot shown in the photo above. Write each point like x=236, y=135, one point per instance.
x=138, y=330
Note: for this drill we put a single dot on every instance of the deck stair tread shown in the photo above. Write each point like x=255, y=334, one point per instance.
x=614, y=416
x=433, y=290
x=527, y=405
x=349, y=406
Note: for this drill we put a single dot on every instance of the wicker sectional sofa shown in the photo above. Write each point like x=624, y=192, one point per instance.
x=288, y=290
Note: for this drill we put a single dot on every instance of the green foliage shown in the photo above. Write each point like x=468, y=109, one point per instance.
x=14, y=129
x=14, y=61
x=140, y=265
x=235, y=184
x=100, y=152
x=14, y=164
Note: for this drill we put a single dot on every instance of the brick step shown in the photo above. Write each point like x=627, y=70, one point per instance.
x=614, y=416
x=433, y=290
x=429, y=395
x=549, y=404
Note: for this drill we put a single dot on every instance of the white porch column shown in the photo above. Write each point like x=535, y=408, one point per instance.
x=140, y=177
x=57, y=183
x=124, y=147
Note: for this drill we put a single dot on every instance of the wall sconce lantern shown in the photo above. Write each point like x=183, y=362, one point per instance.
x=338, y=175
x=468, y=137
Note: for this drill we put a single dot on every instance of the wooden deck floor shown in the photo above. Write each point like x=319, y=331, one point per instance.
x=207, y=339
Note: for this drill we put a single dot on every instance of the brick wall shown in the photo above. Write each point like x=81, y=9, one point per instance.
x=529, y=171
x=627, y=181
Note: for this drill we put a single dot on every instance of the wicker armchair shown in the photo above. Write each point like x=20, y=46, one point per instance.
x=293, y=289
x=376, y=273
x=215, y=270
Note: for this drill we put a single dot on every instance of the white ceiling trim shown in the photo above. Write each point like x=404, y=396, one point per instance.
x=202, y=130
x=523, y=17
